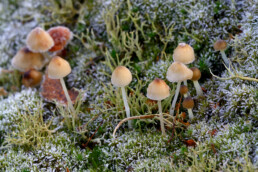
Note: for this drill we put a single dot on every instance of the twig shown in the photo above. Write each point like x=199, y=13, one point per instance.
x=234, y=75
x=131, y=118
x=94, y=133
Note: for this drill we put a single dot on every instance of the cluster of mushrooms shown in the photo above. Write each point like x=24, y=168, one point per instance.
x=158, y=90
x=41, y=50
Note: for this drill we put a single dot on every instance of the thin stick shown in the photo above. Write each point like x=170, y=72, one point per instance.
x=93, y=134
x=131, y=118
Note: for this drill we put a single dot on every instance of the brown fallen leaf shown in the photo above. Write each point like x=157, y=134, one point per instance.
x=213, y=132
x=190, y=142
x=3, y=92
x=51, y=89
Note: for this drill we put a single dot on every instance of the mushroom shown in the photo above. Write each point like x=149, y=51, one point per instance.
x=61, y=36
x=158, y=90
x=177, y=72
x=32, y=78
x=188, y=103
x=39, y=41
x=121, y=77
x=184, y=53
x=183, y=90
x=195, y=78
x=221, y=45
x=25, y=60
x=58, y=68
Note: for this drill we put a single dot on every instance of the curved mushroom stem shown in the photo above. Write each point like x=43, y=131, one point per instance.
x=172, y=109
x=127, y=109
x=69, y=101
x=198, y=88
x=224, y=57
x=161, y=118
x=190, y=113
x=185, y=82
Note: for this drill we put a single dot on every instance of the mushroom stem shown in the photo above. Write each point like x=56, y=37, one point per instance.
x=69, y=101
x=47, y=56
x=185, y=82
x=161, y=118
x=224, y=57
x=185, y=95
x=198, y=88
x=127, y=109
x=190, y=113
x=172, y=109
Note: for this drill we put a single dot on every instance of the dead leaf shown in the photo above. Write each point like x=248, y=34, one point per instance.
x=3, y=92
x=51, y=89
x=190, y=142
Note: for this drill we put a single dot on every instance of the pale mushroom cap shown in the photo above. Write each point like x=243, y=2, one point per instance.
x=158, y=90
x=220, y=45
x=196, y=74
x=58, y=68
x=178, y=72
x=25, y=60
x=121, y=76
x=39, y=40
x=184, y=53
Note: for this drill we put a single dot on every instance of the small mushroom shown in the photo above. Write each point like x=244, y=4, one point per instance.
x=183, y=90
x=158, y=90
x=25, y=60
x=32, y=78
x=188, y=103
x=58, y=68
x=122, y=77
x=195, y=78
x=39, y=41
x=177, y=72
x=61, y=36
x=221, y=45
x=184, y=53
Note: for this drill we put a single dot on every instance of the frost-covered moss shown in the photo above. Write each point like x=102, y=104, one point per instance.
x=19, y=102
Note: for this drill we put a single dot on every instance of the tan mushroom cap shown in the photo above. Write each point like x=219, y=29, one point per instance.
x=183, y=89
x=220, y=45
x=32, y=78
x=25, y=60
x=39, y=40
x=188, y=103
x=121, y=76
x=196, y=74
x=178, y=72
x=158, y=90
x=184, y=53
x=58, y=68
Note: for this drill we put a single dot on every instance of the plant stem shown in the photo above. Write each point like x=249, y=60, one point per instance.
x=161, y=118
x=198, y=88
x=127, y=109
x=47, y=56
x=224, y=57
x=190, y=113
x=175, y=98
x=69, y=101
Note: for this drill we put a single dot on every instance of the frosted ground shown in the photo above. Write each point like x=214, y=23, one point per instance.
x=34, y=135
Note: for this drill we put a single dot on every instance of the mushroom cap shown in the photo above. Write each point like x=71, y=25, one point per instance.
x=61, y=36
x=32, y=78
x=183, y=89
x=158, y=90
x=58, y=68
x=184, y=53
x=25, y=60
x=39, y=40
x=178, y=72
x=196, y=74
x=188, y=103
x=121, y=76
x=220, y=45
